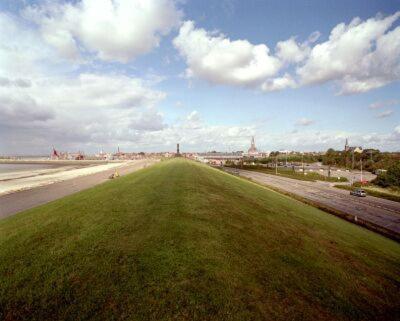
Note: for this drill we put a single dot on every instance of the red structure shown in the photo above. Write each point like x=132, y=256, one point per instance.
x=79, y=156
x=54, y=154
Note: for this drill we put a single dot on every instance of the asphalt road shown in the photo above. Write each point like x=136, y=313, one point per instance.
x=381, y=212
x=23, y=200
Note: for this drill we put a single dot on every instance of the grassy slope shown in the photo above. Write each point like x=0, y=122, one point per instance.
x=181, y=241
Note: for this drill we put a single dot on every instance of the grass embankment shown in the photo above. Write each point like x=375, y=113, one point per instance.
x=182, y=241
x=376, y=191
x=289, y=173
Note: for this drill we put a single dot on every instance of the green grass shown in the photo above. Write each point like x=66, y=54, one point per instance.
x=289, y=173
x=182, y=241
x=375, y=191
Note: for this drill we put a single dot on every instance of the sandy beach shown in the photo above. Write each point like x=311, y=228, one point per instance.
x=55, y=185
x=22, y=180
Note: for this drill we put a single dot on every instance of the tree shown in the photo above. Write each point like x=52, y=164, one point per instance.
x=390, y=178
x=331, y=157
x=393, y=174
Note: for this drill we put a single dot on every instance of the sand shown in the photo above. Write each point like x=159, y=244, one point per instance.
x=12, y=182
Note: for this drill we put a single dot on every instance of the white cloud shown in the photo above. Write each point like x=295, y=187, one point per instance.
x=385, y=114
x=116, y=30
x=16, y=108
x=29, y=68
x=45, y=100
x=204, y=136
x=194, y=116
x=194, y=134
x=220, y=60
x=149, y=120
x=292, y=52
x=96, y=91
x=18, y=82
x=381, y=104
x=193, y=120
x=279, y=83
x=313, y=37
x=77, y=112
x=304, y=122
x=228, y=138
x=312, y=140
x=360, y=56
x=23, y=52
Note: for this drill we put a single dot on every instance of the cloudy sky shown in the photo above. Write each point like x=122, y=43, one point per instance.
x=146, y=74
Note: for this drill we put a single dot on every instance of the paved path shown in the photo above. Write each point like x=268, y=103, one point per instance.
x=22, y=200
x=381, y=212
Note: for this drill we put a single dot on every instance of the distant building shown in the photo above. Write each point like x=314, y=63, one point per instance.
x=346, y=146
x=119, y=155
x=103, y=156
x=253, y=151
x=358, y=149
x=79, y=156
x=57, y=155
x=352, y=149
x=54, y=154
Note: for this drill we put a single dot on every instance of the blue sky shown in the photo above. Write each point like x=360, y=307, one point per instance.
x=195, y=83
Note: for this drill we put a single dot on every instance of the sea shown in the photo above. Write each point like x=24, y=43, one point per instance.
x=12, y=168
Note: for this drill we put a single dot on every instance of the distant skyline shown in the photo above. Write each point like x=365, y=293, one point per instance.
x=147, y=74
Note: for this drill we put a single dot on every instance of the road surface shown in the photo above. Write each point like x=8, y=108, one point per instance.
x=378, y=211
x=352, y=175
x=22, y=200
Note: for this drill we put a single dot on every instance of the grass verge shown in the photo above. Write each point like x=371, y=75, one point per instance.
x=373, y=192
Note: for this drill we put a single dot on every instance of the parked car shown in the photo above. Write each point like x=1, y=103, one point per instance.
x=358, y=192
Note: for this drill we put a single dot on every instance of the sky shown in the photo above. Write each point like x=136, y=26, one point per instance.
x=92, y=75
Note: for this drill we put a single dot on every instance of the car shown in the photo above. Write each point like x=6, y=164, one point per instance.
x=358, y=192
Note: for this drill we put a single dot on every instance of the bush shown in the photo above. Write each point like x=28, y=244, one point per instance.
x=381, y=180
x=390, y=178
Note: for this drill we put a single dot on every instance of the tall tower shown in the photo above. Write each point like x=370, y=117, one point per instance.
x=346, y=145
x=54, y=154
x=177, y=149
x=253, y=144
x=252, y=150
